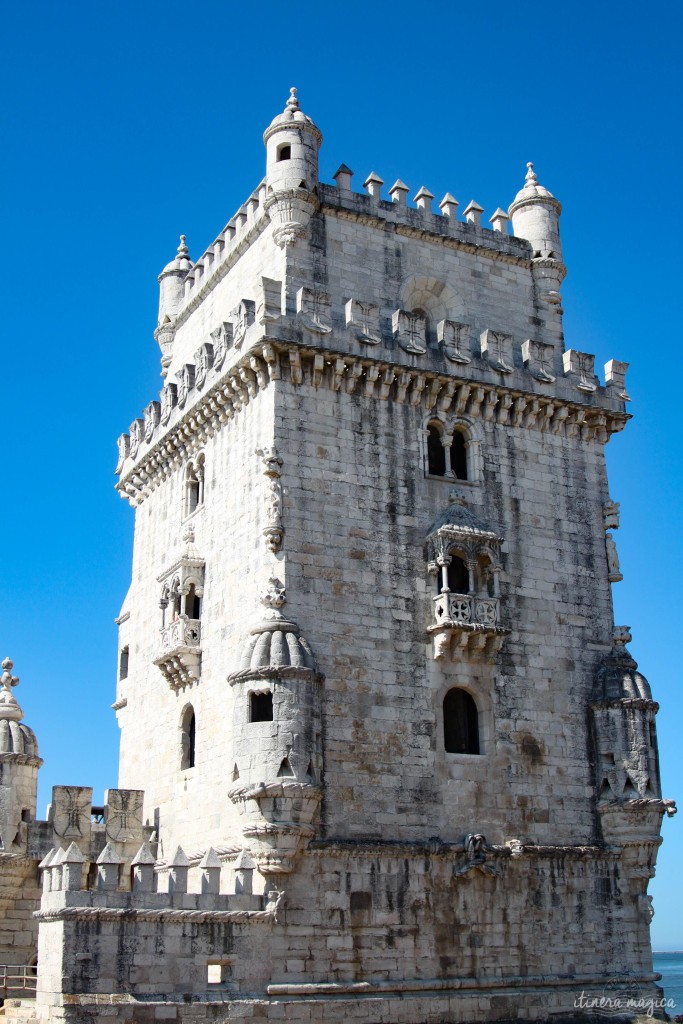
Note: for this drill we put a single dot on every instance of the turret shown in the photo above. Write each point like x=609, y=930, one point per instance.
x=292, y=143
x=171, y=291
x=19, y=764
x=535, y=216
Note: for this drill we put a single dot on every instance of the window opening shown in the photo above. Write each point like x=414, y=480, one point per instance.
x=284, y=153
x=459, y=455
x=261, y=707
x=188, y=740
x=436, y=453
x=193, y=603
x=460, y=723
x=458, y=576
x=123, y=663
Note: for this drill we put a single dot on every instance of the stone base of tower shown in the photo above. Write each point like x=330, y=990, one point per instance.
x=404, y=933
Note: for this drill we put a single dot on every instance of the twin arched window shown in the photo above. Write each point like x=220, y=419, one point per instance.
x=446, y=455
x=460, y=723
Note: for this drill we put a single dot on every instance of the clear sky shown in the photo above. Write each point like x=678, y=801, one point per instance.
x=126, y=124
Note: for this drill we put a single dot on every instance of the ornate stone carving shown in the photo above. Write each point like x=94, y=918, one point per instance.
x=185, y=378
x=182, y=585
x=123, y=815
x=137, y=429
x=476, y=856
x=169, y=400
x=269, y=305
x=363, y=319
x=152, y=415
x=243, y=318
x=610, y=513
x=314, y=309
x=580, y=366
x=455, y=339
x=410, y=331
x=123, y=444
x=497, y=348
x=70, y=812
x=538, y=359
x=614, y=574
x=222, y=339
x=274, y=530
x=615, y=379
x=203, y=359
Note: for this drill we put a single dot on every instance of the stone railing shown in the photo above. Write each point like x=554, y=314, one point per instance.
x=17, y=981
x=182, y=632
x=461, y=609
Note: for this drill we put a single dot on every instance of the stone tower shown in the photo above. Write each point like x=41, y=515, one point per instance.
x=397, y=762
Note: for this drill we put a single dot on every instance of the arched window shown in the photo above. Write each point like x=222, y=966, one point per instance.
x=459, y=455
x=460, y=723
x=458, y=576
x=123, y=663
x=261, y=707
x=436, y=453
x=284, y=153
x=188, y=732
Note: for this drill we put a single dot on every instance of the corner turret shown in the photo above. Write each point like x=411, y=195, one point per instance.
x=171, y=291
x=292, y=142
x=19, y=764
x=535, y=215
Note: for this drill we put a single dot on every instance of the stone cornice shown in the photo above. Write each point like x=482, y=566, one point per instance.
x=268, y=359
x=435, y=847
x=27, y=759
x=163, y=915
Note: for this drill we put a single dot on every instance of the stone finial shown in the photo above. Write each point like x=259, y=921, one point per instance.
x=343, y=178
x=182, y=250
x=499, y=220
x=398, y=192
x=373, y=186
x=473, y=212
x=9, y=707
x=449, y=206
x=210, y=867
x=424, y=200
x=108, y=864
x=530, y=177
x=292, y=103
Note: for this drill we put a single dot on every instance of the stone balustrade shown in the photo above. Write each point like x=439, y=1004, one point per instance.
x=461, y=609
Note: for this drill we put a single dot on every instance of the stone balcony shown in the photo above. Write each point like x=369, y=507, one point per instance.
x=180, y=657
x=468, y=624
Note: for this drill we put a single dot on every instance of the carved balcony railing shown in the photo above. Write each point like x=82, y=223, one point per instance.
x=467, y=623
x=180, y=656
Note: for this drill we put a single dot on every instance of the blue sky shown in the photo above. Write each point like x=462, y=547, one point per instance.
x=126, y=124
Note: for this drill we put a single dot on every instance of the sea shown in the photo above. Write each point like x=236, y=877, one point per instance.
x=670, y=966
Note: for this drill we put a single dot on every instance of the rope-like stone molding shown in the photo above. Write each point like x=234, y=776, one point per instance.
x=411, y=848
x=164, y=915
x=361, y=988
x=261, y=365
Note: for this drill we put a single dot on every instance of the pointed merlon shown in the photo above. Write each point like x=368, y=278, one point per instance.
x=373, y=185
x=179, y=859
x=473, y=213
x=58, y=859
x=449, y=206
x=399, y=192
x=244, y=862
x=210, y=859
x=499, y=220
x=143, y=856
x=424, y=200
x=73, y=855
x=343, y=178
x=47, y=860
x=109, y=856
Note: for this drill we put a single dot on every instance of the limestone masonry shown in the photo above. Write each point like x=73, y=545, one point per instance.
x=385, y=756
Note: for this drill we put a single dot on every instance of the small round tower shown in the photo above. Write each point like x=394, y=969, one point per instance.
x=292, y=142
x=535, y=215
x=171, y=292
x=19, y=764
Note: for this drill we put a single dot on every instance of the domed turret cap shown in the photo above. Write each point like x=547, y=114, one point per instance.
x=292, y=117
x=533, y=192
x=15, y=738
x=182, y=262
x=618, y=678
x=276, y=642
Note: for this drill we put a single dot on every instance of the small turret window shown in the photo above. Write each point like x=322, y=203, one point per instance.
x=123, y=663
x=261, y=707
x=460, y=723
x=284, y=153
x=188, y=735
